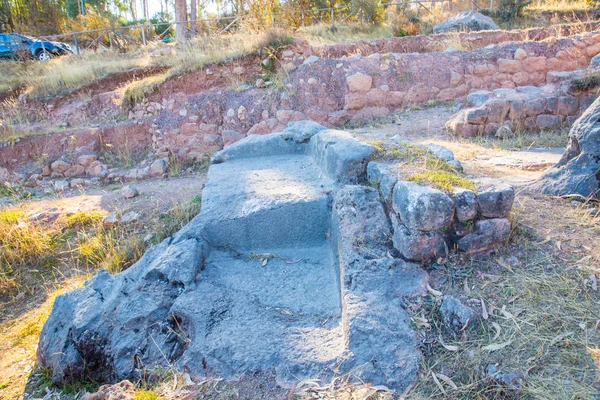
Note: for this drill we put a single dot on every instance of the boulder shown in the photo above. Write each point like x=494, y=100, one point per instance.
x=129, y=192
x=466, y=21
x=577, y=171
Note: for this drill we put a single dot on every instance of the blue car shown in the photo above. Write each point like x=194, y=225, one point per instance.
x=19, y=47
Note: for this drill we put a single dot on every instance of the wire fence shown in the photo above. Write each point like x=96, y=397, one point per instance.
x=125, y=38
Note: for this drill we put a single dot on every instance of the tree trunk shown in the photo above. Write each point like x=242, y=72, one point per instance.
x=193, y=16
x=181, y=20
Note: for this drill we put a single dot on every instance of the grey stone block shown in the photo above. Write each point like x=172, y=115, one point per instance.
x=488, y=235
x=495, y=198
x=422, y=208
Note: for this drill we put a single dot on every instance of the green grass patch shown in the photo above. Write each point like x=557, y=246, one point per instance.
x=442, y=180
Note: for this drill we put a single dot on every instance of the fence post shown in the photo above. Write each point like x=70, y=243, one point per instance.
x=389, y=13
x=303, y=19
x=144, y=34
x=110, y=41
x=332, y=18
x=272, y=20
x=491, y=5
x=76, y=43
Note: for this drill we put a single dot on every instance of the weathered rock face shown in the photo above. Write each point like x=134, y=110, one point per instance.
x=287, y=269
x=578, y=172
x=466, y=21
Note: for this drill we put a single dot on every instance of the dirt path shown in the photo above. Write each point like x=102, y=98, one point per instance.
x=516, y=161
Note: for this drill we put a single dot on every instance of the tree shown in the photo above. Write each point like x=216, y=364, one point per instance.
x=181, y=20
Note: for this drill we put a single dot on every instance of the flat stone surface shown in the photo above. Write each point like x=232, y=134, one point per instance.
x=532, y=160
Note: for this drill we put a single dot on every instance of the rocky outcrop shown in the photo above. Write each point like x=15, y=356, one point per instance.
x=578, y=171
x=287, y=268
x=466, y=21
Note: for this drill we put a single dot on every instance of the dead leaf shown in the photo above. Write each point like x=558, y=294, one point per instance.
x=496, y=346
x=446, y=346
x=437, y=382
x=434, y=292
x=504, y=265
x=484, y=312
x=381, y=388
x=497, y=329
x=447, y=380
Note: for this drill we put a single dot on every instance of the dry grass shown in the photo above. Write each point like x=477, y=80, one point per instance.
x=66, y=74
x=523, y=140
x=38, y=261
x=414, y=163
x=318, y=35
x=453, y=40
x=542, y=311
x=561, y=5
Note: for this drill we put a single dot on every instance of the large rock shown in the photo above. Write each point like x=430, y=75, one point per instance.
x=286, y=269
x=578, y=170
x=466, y=21
x=421, y=207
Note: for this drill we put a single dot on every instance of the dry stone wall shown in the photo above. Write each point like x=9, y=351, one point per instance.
x=503, y=111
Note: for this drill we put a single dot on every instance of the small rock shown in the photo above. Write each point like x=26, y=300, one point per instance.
x=46, y=216
x=183, y=112
x=129, y=192
x=422, y=208
x=504, y=132
x=440, y=151
x=61, y=186
x=86, y=159
x=158, y=167
x=510, y=380
x=310, y=60
x=455, y=314
x=129, y=217
x=260, y=83
x=110, y=220
x=60, y=166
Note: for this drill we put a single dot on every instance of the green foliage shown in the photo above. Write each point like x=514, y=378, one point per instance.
x=162, y=22
x=508, y=10
x=371, y=11
x=585, y=83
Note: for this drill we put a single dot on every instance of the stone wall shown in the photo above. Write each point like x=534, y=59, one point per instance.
x=428, y=223
x=431, y=43
x=502, y=111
